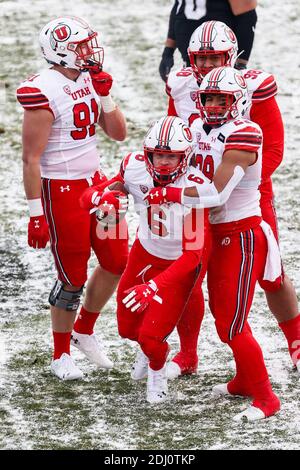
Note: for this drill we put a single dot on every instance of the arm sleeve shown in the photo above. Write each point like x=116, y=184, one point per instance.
x=171, y=108
x=244, y=26
x=268, y=116
x=171, y=30
x=190, y=258
x=208, y=196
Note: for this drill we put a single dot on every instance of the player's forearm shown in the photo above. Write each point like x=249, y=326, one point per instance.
x=170, y=43
x=216, y=193
x=114, y=124
x=32, y=179
x=239, y=7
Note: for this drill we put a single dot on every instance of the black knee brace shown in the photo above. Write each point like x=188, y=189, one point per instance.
x=66, y=300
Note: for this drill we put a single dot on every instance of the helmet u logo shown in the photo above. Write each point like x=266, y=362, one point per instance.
x=61, y=33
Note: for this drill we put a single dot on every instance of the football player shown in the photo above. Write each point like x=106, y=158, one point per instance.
x=163, y=264
x=244, y=249
x=63, y=106
x=212, y=45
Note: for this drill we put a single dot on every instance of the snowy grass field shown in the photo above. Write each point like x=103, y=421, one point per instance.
x=107, y=410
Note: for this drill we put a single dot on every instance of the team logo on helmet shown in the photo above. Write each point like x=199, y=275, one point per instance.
x=61, y=33
x=188, y=134
x=240, y=80
x=230, y=34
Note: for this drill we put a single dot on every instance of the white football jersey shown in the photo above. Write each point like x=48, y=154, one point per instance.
x=211, y=143
x=182, y=87
x=71, y=150
x=160, y=227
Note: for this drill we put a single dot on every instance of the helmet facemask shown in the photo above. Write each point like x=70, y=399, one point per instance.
x=221, y=59
x=217, y=115
x=164, y=175
x=89, y=54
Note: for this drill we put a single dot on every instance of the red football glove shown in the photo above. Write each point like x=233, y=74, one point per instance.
x=90, y=198
x=112, y=207
x=160, y=195
x=139, y=297
x=102, y=82
x=38, y=232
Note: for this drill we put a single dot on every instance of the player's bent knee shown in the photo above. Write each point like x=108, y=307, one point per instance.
x=65, y=299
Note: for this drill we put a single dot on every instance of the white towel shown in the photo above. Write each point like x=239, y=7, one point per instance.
x=273, y=261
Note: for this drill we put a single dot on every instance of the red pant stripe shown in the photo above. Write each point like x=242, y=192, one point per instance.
x=247, y=249
x=250, y=255
x=54, y=238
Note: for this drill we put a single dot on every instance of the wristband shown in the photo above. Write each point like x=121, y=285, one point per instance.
x=107, y=104
x=35, y=207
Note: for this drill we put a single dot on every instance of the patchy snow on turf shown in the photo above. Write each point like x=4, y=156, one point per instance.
x=107, y=410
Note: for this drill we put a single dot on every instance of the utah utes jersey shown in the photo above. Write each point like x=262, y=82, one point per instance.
x=160, y=227
x=211, y=143
x=71, y=150
x=182, y=87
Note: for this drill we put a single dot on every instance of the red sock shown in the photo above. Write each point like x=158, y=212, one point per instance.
x=265, y=399
x=156, y=350
x=61, y=343
x=236, y=386
x=250, y=362
x=291, y=330
x=85, y=322
x=189, y=324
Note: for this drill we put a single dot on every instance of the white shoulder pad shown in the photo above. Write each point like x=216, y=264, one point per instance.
x=261, y=85
x=131, y=162
x=180, y=81
x=33, y=94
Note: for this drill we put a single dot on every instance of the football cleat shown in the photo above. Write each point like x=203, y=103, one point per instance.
x=157, y=385
x=65, y=369
x=139, y=369
x=259, y=410
x=250, y=414
x=221, y=390
x=172, y=370
x=92, y=348
x=181, y=365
